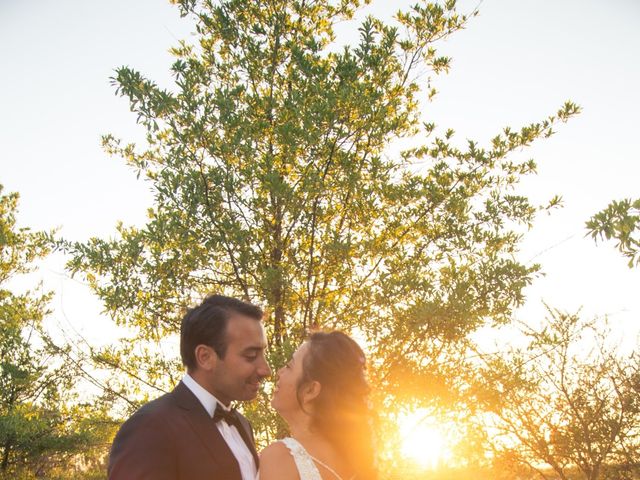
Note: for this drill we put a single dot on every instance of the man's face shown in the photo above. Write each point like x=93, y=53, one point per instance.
x=237, y=376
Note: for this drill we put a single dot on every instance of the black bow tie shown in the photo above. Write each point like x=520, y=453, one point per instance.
x=228, y=416
x=232, y=418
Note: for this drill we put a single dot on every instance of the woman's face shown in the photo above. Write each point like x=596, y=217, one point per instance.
x=284, y=398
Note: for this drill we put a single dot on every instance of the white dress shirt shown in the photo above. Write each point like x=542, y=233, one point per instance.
x=229, y=432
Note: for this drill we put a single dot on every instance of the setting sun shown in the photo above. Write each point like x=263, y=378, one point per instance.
x=423, y=442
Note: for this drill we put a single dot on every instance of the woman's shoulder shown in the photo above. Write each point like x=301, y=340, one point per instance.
x=275, y=450
x=276, y=462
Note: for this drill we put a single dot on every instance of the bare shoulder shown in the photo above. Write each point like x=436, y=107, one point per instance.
x=276, y=452
x=276, y=463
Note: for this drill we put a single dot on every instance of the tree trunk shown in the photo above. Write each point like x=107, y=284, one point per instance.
x=5, y=455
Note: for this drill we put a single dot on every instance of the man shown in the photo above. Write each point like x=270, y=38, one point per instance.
x=191, y=433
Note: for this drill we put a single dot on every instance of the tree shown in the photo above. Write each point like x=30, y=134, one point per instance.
x=620, y=221
x=275, y=180
x=567, y=402
x=40, y=429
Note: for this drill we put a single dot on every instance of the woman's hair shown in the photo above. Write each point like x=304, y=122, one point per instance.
x=341, y=411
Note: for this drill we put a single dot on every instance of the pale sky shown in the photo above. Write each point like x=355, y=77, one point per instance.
x=516, y=63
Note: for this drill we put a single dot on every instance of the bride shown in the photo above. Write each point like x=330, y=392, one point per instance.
x=322, y=395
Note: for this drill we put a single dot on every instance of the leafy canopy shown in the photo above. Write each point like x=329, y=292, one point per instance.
x=276, y=179
x=566, y=405
x=620, y=221
x=41, y=423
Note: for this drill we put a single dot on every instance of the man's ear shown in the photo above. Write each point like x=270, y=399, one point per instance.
x=206, y=357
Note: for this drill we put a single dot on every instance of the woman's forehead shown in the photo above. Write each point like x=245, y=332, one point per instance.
x=299, y=353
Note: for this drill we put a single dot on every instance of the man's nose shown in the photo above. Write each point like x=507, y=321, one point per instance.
x=264, y=370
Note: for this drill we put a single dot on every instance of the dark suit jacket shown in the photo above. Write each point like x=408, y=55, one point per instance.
x=174, y=438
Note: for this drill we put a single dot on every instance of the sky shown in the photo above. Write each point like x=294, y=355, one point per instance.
x=515, y=63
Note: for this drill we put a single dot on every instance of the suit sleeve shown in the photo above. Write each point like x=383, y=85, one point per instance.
x=142, y=450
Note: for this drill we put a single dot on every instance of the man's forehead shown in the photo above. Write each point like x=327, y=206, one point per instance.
x=246, y=331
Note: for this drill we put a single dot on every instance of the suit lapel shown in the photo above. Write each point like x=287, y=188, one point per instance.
x=247, y=436
x=206, y=429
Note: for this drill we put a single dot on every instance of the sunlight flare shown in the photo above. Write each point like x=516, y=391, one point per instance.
x=423, y=442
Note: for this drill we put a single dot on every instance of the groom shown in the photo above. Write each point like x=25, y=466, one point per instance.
x=191, y=433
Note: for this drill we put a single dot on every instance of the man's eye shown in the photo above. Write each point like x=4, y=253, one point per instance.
x=251, y=357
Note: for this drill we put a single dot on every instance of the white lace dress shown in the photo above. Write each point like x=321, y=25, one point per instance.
x=305, y=463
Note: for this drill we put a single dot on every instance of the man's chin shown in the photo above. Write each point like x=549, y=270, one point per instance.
x=251, y=391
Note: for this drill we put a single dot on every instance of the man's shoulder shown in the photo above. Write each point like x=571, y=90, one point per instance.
x=163, y=402
x=145, y=442
x=153, y=410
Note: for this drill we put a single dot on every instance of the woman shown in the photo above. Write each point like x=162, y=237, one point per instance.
x=322, y=395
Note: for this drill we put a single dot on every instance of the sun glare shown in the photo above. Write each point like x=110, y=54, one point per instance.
x=422, y=442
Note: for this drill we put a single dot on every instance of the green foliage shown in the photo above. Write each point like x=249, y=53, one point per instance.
x=275, y=180
x=620, y=221
x=39, y=429
x=567, y=404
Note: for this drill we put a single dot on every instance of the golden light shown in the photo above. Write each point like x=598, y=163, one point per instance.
x=423, y=442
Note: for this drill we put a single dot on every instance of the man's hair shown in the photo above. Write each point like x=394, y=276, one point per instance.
x=206, y=324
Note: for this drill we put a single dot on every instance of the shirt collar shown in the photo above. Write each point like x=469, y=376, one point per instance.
x=205, y=397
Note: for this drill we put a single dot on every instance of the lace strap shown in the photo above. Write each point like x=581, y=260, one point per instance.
x=306, y=468
x=305, y=462
x=331, y=470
